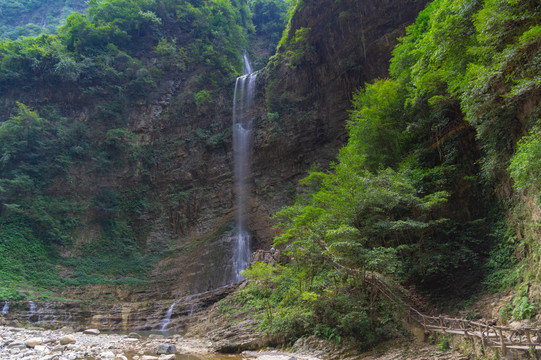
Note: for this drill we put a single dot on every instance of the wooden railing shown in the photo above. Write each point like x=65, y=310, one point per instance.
x=502, y=337
x=490, y=335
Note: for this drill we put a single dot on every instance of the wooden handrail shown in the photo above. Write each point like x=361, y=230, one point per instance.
x=502, y=337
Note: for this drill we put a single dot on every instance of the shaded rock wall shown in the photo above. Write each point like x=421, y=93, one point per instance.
x=304, y=99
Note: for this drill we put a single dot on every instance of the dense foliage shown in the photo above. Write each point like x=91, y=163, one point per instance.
x=411, y=194
x=35, y=17
x=65, y=106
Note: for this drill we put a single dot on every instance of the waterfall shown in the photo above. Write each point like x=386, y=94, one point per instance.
x=32, y=311
x=167, y=319
x=243, y=106
x=5, y=308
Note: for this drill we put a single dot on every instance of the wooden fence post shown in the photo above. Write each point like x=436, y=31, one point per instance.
x=483, y=340
x=464, y=327
x=441, y=325
x=502, y=342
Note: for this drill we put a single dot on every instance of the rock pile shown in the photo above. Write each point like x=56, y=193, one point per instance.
x=65, y=344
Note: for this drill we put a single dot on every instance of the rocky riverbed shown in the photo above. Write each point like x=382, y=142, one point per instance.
x=65, y=344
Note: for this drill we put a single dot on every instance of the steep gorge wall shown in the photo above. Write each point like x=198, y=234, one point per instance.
x=302, y=109
x=349, y=44
x=332, y=48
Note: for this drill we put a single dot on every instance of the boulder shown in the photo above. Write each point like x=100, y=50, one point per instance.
x=32, y=342
x=133, y=335
x=91, y=332
x=156, y=336
x=107, y=355
x=166, y=349
x=42, y=349
x=67, y=330
x=17, y=345
x=148, y=357
x=66, y=339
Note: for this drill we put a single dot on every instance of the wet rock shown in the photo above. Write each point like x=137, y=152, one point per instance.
x=91, y=332
x=156, y=336
x=133, y=335
x=166, y=349
x=148, y=357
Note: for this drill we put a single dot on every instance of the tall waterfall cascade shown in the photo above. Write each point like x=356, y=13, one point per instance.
x=243, y=119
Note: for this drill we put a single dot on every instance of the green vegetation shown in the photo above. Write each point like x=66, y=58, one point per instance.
x=411, y=194
x=34, y=17
x=65, y=131
x=269, y=19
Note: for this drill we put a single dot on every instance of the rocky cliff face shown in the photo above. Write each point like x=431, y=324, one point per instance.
x=332, y=49
x=303, y=97
x=302, y=109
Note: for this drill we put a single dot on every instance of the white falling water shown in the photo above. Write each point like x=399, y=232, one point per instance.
x=5, y=308
x=32, y=310
x=167, y=319
x=243, y=106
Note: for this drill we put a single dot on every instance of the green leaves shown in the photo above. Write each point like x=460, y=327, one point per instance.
x=357, y=210
x=525, y=165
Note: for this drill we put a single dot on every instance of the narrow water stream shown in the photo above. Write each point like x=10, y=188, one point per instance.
x=243, y=105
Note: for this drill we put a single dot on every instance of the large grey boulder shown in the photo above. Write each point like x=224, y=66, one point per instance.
x=166, y=349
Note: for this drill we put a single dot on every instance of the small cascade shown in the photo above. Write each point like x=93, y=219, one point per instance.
x=243, y=107
x=32, y=311
x=5, y=308
x=32, y=307
x=167, y=319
